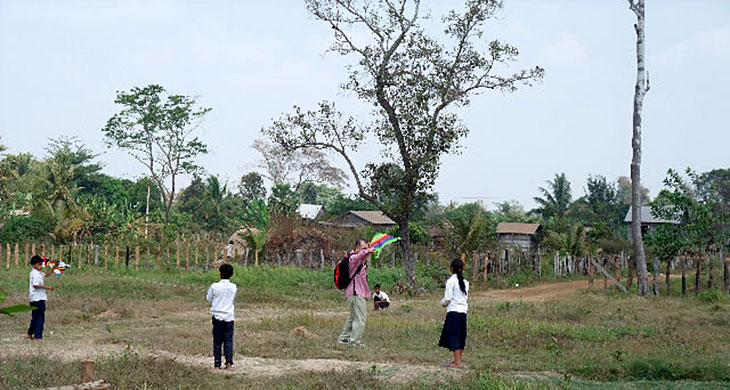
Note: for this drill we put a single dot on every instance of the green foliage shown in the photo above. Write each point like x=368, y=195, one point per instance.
x=512, y=211
x=157, y=132
x=24, y=228
x=341, y=204
x=702, y=225
x=251, y=187
x=556, y=198
x=283, y=200
x=416, y=231
x=602, y=198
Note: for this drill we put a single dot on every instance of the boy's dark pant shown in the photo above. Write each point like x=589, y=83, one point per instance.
x=222, y=334
x=38, y=317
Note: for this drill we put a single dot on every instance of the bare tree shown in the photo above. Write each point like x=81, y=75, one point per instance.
x=642, y=87
x=296, y=167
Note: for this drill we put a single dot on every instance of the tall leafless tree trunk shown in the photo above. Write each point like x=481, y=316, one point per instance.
x=642, y=87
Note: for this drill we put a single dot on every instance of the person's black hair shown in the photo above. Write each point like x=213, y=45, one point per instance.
x=35, y=260
x=226, y=271
x=377, y=286
x=359, y=240
x=458, y=267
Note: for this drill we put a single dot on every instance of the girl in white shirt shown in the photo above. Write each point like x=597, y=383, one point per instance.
x=453, y=334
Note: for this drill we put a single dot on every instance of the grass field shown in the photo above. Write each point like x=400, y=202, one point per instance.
x=150, y=329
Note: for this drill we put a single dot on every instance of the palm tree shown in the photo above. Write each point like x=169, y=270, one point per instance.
x=557, y=199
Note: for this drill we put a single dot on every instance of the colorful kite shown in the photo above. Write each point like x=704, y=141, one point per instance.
x=380, y=241
x=60, y=266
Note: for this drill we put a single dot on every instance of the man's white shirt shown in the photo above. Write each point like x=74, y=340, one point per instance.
x=383, y=296
x=454, y=297
x=36, y=279
x=221, y=296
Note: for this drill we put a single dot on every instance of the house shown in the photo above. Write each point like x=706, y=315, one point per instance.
x=439, y=233
x=310, y=212
x=524, y=236
x=376, y=219
x=649, y=222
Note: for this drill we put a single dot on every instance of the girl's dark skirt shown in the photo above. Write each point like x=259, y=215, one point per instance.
x=453, y=335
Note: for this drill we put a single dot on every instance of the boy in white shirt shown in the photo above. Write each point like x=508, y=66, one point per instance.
x=221, y=296
x=380, y=298
x=37, y=297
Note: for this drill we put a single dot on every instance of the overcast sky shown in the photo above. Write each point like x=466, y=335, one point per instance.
x=61, y=63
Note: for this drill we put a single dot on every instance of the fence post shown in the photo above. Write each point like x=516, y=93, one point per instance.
x=207, y=256
x=187, y=256
x=590, y=275
x=167, y=249
x=81, y=249
x=106, y=256
x=116, y=256
x=617, y=270
x=27, y=254
x=299, y=257
x=53, y=251
x=245, y=258
x=147, y=258
x=177, y=253
x=16, y=254
x=235, y=255
x=195, y=256
x=136, y=257
x=7, y=251
x=486, y=268
x=321, y=258
x=605, y=279
x=159, y=256
x=96, y=255
x=474, y=265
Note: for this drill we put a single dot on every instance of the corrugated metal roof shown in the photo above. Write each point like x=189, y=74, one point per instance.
x=374, y=217
x=309, y=211
x=517, y=228
x=648, y=217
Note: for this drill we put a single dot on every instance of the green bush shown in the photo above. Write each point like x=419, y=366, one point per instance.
x=24, y=228
x=711, y=296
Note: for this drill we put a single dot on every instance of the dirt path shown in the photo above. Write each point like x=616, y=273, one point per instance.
x=539, y=293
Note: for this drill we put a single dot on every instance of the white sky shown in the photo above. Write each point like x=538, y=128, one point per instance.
x=61, y=63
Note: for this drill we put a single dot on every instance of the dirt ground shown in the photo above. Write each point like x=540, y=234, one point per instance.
x=66, y=345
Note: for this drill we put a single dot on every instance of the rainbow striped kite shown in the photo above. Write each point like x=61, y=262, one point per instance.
x=60, y=266
x=380, y=240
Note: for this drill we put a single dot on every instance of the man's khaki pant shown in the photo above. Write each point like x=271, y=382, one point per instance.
x=355, y=324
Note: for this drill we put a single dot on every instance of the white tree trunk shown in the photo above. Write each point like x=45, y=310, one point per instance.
x=642, y=87
x=147, y=210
